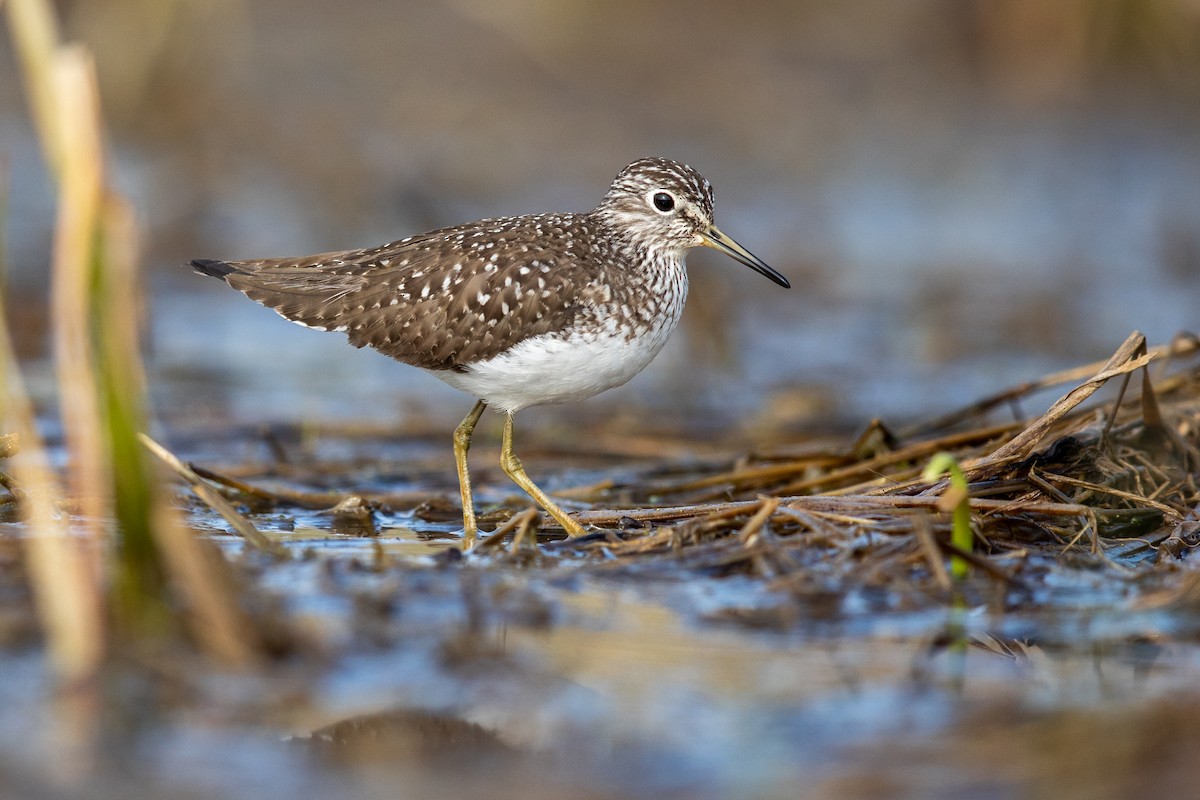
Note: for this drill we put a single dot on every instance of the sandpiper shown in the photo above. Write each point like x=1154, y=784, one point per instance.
x=516, y=311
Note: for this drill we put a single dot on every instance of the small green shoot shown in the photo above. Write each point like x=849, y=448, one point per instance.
x=955, y=499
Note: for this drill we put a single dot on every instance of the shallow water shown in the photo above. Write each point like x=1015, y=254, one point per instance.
x=487, y=681
x=568, y=674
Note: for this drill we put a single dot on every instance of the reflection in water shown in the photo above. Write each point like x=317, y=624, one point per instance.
x=742, y=714
x=466, y=674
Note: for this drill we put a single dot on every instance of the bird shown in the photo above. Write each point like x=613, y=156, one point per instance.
x=515, y=311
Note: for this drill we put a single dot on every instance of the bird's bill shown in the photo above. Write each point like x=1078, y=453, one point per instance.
x=718, y=241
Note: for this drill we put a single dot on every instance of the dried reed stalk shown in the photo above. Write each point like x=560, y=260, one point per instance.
x=62, y=567
x=100, y=377
x=81, y=173
x=64, y=570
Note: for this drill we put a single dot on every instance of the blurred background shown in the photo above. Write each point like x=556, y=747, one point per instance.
x=964, y=194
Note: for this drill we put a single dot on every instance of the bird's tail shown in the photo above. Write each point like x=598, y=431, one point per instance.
x=214, y=269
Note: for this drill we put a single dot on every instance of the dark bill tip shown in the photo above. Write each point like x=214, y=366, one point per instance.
x=718, y=241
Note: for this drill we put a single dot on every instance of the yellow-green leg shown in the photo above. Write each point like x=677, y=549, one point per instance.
x=514, y=469
x=462, y=443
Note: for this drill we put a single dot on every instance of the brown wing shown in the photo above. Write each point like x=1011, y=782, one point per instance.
x=436, y=301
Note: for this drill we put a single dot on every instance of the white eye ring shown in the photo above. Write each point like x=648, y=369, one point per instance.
x=663, y=201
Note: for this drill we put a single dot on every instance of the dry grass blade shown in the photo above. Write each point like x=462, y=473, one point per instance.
x=517, y=523
x=912, y=454
x=1021, y=446
x=834, y=504
x=100, y=380
x=75, y=237
x=748, y=535
x=35, y=38
x=840, y=472
x=316, y=501
x=1170, y=513
x=244, y=527
x=933, y=555
x=526, y=535
x=63, y=568
x=201, y=577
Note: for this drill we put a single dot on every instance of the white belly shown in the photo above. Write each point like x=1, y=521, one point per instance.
x=550, y=369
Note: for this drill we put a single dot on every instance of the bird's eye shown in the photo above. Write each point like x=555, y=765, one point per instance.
x=664, y=202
